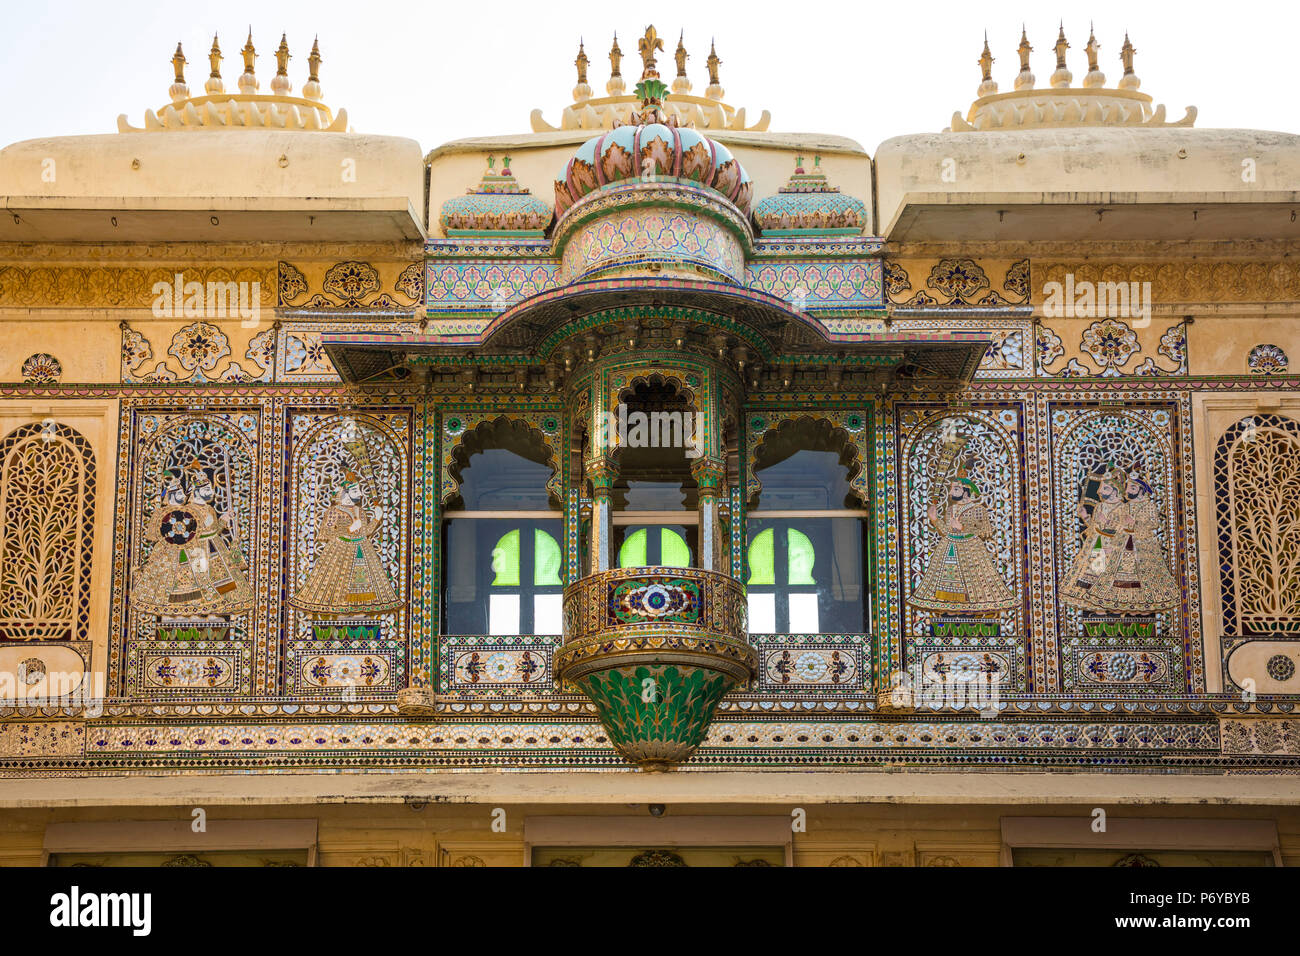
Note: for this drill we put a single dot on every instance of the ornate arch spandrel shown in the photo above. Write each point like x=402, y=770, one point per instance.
x=47, y=514
x=695, y=382
x=761, y=426
x=458, y=424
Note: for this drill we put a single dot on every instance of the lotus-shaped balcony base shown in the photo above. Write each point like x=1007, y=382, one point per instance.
x=655, y=649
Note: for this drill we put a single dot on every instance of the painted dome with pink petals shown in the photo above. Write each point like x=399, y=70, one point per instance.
x=626, y=153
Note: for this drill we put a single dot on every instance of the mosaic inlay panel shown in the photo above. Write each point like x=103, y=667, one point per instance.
x=480, y=665
x=1097, y=665
x=979, y=452
x=814, y=664
x=190, y=668
x=652, y=234
x=347, y=668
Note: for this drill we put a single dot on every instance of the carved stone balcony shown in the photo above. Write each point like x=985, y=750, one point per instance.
x=656, y=649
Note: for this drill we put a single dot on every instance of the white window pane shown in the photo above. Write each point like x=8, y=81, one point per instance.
x=503, y=614
x=762, y=613
x=803, y=614
x=548, y=617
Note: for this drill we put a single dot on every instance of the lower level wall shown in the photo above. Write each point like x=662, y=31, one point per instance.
x=432, y=834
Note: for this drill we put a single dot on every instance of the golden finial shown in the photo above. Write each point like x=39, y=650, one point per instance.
x=178, y=64
x=311, y=89
x=1126, y=55
x=1129, y=81
x=988, y=86
x=178, y=90
x=647, y=46
x=581, y=63
x=214, y=84
x=1094, y=78
x=615, y=58
x=1024, y=79
x=1061, y=77
x=282, y=57
x=713, y=63
x=680, y=55
x=280, y=84
x=247, y=80
x=615, y=86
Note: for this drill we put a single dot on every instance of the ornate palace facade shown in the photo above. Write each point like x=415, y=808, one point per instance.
x=651, y=440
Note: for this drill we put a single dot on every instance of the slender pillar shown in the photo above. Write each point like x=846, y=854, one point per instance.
x=602, y=528
x=708, y=478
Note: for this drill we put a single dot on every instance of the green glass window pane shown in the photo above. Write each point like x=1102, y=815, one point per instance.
x=762, y=559
x=632, y=554
x=546, y=559
x=505, y=560
x=802, y=557
x=673, y=550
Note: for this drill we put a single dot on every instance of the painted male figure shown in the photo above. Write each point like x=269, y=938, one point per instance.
x=960, y=577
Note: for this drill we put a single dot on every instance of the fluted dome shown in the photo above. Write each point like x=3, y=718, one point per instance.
x=637, y=152
x=498, y=204
x=808, y=203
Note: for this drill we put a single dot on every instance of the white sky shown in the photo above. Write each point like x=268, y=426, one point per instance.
x=438, y=71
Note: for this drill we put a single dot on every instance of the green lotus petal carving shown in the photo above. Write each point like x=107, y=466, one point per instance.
x=656, y=715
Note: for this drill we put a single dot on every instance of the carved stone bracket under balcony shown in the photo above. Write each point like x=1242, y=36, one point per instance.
x=656, y=649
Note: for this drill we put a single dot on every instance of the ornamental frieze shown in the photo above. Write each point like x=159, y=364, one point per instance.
x=351, y=284
x=1174, y=281
x=957, y=282
x=128, y=287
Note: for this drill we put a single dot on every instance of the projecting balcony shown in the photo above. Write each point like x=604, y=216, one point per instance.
x=656, y=648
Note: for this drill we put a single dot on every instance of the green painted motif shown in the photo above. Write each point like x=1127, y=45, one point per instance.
x=194, y=632
x=345, y=632
x=940, y=627
x=1119, y=627
x=656, y=714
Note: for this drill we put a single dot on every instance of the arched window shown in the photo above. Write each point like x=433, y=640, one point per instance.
x=807, y=554
x=655, y=498
x=781, y=582
x=47, y=520
x=524, y=596
x=501, y=554
x=659, y=546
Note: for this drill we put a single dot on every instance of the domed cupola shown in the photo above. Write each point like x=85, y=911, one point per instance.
x=653, y=149
x=653, y=194
x=808, y=204
x=498, y=206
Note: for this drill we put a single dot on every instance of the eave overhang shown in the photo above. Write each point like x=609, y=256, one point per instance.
x=948, y=216
x=531, y=331
x=209, y=219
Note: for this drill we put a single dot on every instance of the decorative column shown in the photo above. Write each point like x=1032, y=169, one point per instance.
x=602, y=475
x=708, y=478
